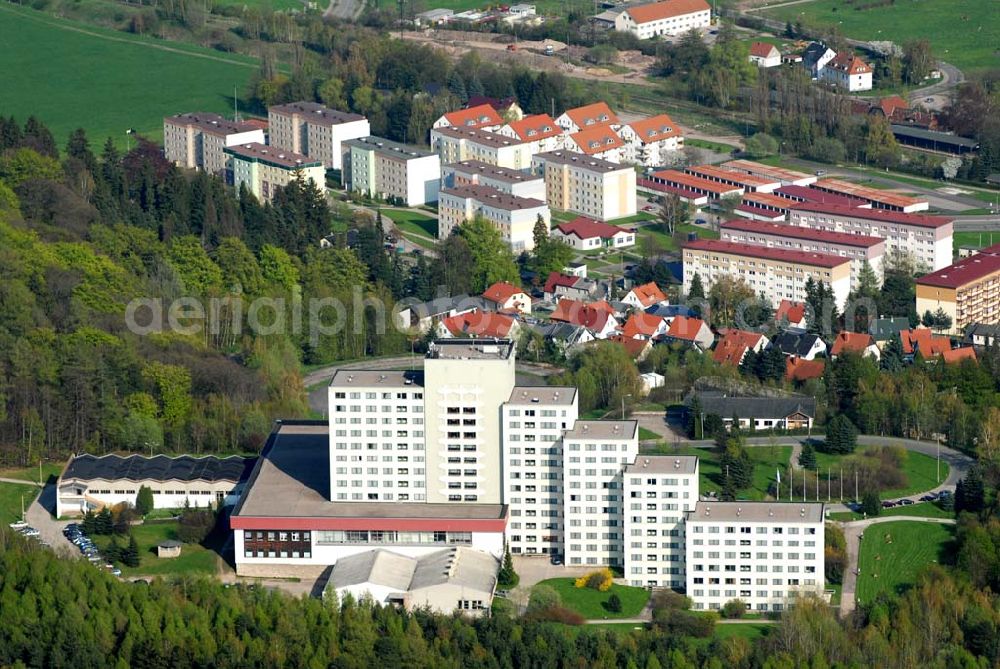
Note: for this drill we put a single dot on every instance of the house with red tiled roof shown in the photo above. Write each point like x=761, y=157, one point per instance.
x=586, y=234
x=735, y=344
x=565, y=285
x=587, y=116
x=649, y=140
x=644, y=326
x=638, y=349
x=692, y=331
x=797, y=369
x=480, y=117
x=538, y=128
x=889, y=105
x=669, y=17
x=508, y=297
x=507, y=108
x=792, y=313
x=593, y=317
x=478, y=324
x=925, y=341
x=849, y=72
x=854, y=342
x=645, y=296
x=598, y=142
x=955, y=355
x=763, y=54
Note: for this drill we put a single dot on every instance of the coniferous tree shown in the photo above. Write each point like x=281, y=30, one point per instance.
x=130, y=554
x=696, y=291
x=807, y=458
x=104, y=523
x=144, y=500
x=892, y=355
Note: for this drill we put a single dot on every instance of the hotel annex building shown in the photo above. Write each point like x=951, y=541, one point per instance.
x=459, y=455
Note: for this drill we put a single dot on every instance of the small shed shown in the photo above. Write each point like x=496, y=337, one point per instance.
x=170, y=548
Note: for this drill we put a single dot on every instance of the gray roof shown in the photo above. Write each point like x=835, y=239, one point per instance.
x=493, y=172
x=471, y=349
x=934, y=136
x=380, y=566
x=388, y=147
x=883, y=329
x=663, y=464
x=813, y=53
x=447, y=304
x=169, y=543
x=566, y=332
x=580, y=160
x=158, y=468
x=726, y=406
x=603, y=429
x=981, y=330
x=462, y=566
x=794, y=342
x=559, y=395
x=316, y=113
x=756, y=512
x=365, y=378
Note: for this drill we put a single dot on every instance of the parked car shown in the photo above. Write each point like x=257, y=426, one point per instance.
x=556, y=560
x=927, y=498
x=888, y=505
x=116, y=572
x=648, y=207
x=700, y=221
x=906, y=502
x=18, y=525
x=820, y=173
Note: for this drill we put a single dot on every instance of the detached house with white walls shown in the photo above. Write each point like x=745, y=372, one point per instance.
x=848, y=72
x=670, y=17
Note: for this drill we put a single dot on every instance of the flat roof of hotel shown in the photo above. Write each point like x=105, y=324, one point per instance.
x=881, y=215
x=767, y=253
x=317, y=113
x=370, y=378
x=757, y=512
x=270, y=154
x=492, y=171
x=580, y=160
x=663, y=464
x=491, y=196
x=603, y=429
x=292, y=480
x=866, y=193
x=966, y=270
x=557, y=395
x=212, y=123
x=797, y=232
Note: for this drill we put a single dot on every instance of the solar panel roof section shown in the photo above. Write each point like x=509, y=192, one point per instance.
x=159, y=468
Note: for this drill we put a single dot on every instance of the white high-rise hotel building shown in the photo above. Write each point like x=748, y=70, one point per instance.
x=461, y=434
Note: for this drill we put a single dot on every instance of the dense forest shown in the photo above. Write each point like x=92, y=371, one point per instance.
x=64, y=613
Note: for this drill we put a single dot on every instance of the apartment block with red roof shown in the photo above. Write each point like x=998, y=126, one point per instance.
x=858, y=248
x=483, y=117
x=649, y=141
x=735, y=344
x=508, y=297
x=539, y=128
x=645, y=296
x=777, y=273
x=849, y=72
x=928, y=239
x=598, y=142
x=968, y=291
x=588, y=116
x=669, y=17
x=586, y=234
x=763, y=54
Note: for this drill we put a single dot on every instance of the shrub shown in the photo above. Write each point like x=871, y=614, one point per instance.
x=556, y=614
x=670, y=600
x=600, y=580
x=614, y=603
x=871, y=505
x=195, y=525
x=734, y=608
x=543, y=597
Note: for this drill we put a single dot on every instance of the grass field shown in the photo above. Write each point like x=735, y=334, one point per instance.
x=748, y=631
x=194, y=559
x=545, y=7
x=920, y=509
x=920, y=470
x=964, y=33
x=767, y=458
x=589, y=603
x=49, y=469
x=892, y=554
x=665, y=242
x=276, y=5
x=413, y=223
x=976, y=239
x=11, y=495
x=72, y=75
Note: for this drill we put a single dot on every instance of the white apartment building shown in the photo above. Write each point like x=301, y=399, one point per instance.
x=658, y=491
x=382, y=168
x=669, y=17
x=198, y=140
x=539, y=128
x=650, y=140
x=927, y=238
x=588, y=116
x=848, y=72
x=455, y=144
x=858, y=248
x=264, y=169
x=534, y=421
x=595, y=454
x=589, y=186
x=315, y=130
x=763, y=553
x=476, y=172
x=777, y=273
x=514, y=217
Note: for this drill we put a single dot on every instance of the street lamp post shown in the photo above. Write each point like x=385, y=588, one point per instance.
x=623, y=404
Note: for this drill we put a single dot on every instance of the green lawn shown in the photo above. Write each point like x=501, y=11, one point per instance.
x=545, y=7
x=718, y=147
x=893, y=553
x=411, y=222
x=49, y=469
x=646, y=435
x=767, y=458
x=667, y=243
x=748, y=631
x=589, y=603
x=74, y=75
x=976, y=239
x=276, y=5
x=963, y=32
x=920, y=509
x=194, y=559
x=11, y=497
x=920, y=470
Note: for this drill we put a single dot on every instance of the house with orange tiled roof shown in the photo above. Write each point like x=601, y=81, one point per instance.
x=648, y=141
x=669, y=17
x=791, y=313
x=480, y=117
x=849, y=72
x=735, y=344
x=956, y=355
x=645, y=296
x=763, y=54
x=638, y=349
x=923, y=340
x=598, y=142
x=797, y=369
x=478, y=324
x=587, y=116
x=692, y=331
x=538, y=128
x=854, y=342
x=508, y=297
x=593, y=317
x=644, y=326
